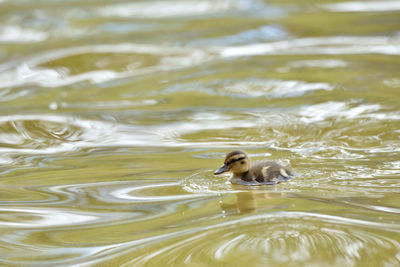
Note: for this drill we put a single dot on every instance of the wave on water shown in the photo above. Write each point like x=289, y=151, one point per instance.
x=39, y=134
x=165, y=9
x=364, y=6
x=336, y=45
x=33, y=70
x=16, y=34
x=281, y=237
x=114, y=114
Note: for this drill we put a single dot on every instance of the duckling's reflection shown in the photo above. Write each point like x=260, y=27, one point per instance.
x=246, y=201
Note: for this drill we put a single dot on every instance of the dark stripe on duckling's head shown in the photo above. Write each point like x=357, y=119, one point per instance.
x=234, y=160
x=235, y=156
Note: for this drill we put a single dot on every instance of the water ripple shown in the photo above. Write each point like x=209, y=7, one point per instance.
x=157, y=9
x=38, y=134
x=114, y=113
x=119, y=192
x=370, y=6
x=145, y=193
x=16, y=34
x=252, y=88
x=53, y=134
x=44, y=217
x=337, y=45
x=33, y=70
x=283, y=237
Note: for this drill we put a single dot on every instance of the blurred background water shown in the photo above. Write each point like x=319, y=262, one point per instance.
x=114, y=114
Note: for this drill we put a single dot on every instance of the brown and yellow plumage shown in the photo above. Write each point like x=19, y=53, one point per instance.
x=262, y=172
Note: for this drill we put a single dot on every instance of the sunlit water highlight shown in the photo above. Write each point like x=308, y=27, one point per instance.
x=114, y=115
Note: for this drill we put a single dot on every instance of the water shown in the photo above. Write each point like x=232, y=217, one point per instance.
x=114, y=115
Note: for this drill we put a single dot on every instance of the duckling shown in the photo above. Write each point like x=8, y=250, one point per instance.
x=262, y=172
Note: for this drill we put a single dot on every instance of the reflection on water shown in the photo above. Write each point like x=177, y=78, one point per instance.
x=114, y=114
x=370, y=6
x=11, y=34
x=161, y=9
x=138, y=61
x=319, y=45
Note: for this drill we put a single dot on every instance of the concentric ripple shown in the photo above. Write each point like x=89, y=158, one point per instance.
x=278, y=238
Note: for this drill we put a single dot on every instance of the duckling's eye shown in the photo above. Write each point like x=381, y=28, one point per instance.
x=242, y=162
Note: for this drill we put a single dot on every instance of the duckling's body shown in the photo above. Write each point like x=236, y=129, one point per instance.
x=261, y=172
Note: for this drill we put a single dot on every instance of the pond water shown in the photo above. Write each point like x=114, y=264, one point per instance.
x=114, y=115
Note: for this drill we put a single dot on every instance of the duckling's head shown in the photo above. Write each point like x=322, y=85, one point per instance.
x=236, y=162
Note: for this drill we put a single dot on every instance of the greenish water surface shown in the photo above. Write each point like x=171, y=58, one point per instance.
x=114, y=115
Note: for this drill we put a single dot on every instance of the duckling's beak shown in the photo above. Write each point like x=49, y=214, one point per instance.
x=224, y=168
